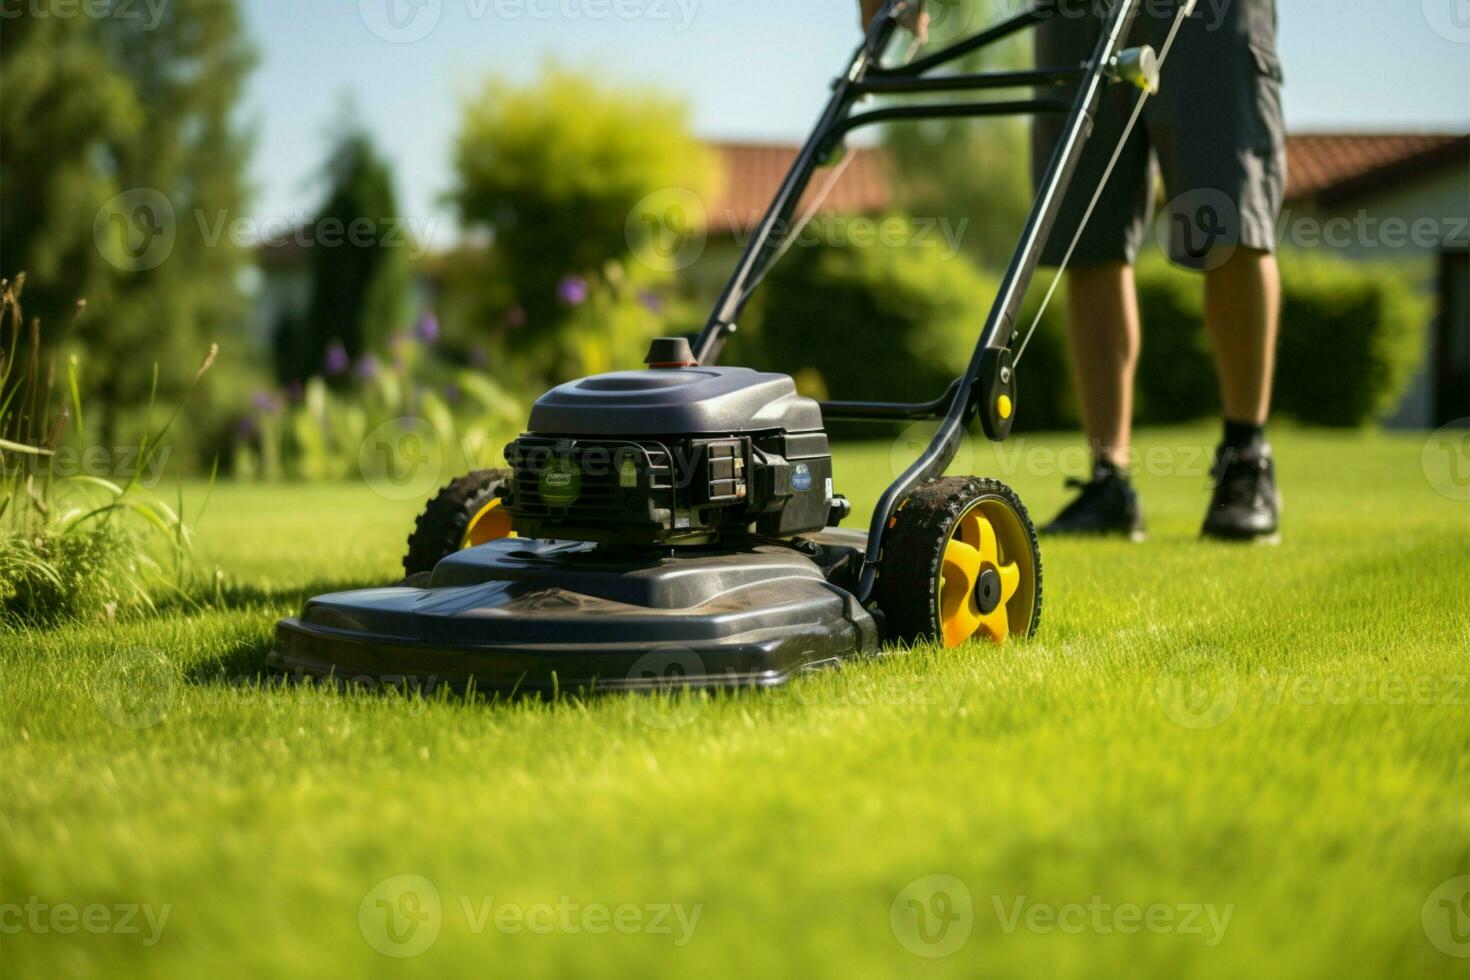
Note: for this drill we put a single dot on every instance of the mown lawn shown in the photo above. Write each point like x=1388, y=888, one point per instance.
x=1211, y=762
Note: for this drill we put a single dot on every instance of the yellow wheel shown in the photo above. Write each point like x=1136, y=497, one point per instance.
x=466, y=513
x=960, y=562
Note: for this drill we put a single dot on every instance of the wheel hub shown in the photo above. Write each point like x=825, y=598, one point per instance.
x=987, y=591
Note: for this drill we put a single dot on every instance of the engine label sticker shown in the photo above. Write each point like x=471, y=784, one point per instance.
x=560, y=483
x=801, y=478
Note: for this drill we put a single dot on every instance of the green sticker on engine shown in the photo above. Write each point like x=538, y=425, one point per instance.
x=561, y=483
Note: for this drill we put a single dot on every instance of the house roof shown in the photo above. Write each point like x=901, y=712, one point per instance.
x=1319, y=165
x=753, y=172
x=1338, y=165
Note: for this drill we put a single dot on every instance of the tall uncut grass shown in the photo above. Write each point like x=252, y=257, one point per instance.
x=75, y=545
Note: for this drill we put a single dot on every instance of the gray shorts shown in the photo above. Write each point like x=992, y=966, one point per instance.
x=1214, y=130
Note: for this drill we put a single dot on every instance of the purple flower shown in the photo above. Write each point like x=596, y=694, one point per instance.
x=572, y=290
x=245, y=428
x=336, y=362
x=428, y=328
x=652, y=301
x=266, y=401
x=516, y=316
x=451, y=393
x=367, y=367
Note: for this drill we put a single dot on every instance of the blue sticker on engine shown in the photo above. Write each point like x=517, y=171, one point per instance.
x=801, y=478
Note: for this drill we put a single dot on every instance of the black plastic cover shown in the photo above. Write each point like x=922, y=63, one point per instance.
x=679, y=401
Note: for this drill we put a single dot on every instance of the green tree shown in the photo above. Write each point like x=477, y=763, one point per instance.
x=967, y=168
x=121, y=166
x=361, y=283
x=554, y=169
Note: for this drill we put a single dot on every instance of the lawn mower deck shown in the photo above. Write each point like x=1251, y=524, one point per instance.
x=526, y=615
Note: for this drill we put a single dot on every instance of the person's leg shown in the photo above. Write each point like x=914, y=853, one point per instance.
x=1242, y=311
x=1102, y=331
x=1102, y=318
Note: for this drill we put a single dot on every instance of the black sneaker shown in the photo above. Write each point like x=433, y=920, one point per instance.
x=1107, y=505
x=1246, y=505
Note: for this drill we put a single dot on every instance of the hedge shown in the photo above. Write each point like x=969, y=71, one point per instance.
x=900, y=323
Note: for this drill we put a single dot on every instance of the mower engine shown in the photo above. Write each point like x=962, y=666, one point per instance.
x=676, y=454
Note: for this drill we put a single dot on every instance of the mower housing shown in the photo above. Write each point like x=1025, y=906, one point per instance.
x=671, y=456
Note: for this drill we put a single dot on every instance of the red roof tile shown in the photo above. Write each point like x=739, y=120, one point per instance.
x=1336, y=163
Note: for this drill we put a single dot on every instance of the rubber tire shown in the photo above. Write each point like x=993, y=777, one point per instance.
x=908, y=571
x=440, y=528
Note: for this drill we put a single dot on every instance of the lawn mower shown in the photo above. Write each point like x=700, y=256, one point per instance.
x=679, y=524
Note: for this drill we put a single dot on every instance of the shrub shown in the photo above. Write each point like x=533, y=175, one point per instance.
x=893, y=324
x=884, y=323
x=1351, y=339
x=1176, y=375
x=875, y=322
x=554, y=169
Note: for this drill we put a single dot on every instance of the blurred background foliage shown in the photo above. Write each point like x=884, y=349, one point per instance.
x=545, y=283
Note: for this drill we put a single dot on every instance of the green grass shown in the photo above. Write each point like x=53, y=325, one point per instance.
x=1316, y=788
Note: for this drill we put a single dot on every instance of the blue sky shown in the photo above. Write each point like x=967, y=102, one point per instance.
x=748, y=69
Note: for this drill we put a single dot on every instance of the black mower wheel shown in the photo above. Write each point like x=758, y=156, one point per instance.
x=465, y=513
x=960, y=560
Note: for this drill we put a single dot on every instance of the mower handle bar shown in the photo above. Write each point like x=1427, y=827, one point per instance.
x=987, y=387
